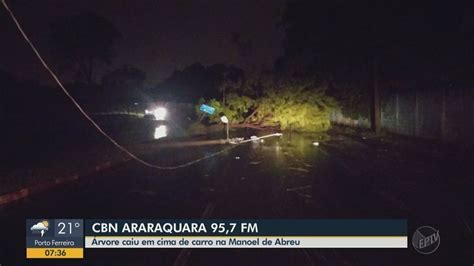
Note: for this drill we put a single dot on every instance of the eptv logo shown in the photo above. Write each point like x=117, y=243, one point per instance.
x=426, y=240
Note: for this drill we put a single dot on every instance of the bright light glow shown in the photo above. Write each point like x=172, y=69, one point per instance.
x=315, y=143
x=224, y=119
x=160, y=132
x=159, y=113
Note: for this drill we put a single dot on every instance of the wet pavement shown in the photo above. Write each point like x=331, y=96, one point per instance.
x=346, y=176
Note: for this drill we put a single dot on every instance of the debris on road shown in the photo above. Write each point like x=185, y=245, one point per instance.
x=307, y=196
x=236, y=140
x=299, y=169
x=298, y=188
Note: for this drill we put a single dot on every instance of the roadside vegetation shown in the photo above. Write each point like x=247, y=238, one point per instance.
x=295, y=105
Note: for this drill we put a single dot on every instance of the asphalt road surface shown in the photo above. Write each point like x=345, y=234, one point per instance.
x=343, y=177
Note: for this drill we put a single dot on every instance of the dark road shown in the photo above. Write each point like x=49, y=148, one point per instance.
x=201, y=133
x=343, y=177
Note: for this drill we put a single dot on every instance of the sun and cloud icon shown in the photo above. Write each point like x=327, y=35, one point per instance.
x=40, y=228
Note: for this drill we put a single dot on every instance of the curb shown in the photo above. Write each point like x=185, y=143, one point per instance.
x=27, y=191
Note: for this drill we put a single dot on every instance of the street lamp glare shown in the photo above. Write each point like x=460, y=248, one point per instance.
x=224, y=119
x=160, y=113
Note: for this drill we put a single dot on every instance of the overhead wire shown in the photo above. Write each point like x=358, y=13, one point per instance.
x=90, y=119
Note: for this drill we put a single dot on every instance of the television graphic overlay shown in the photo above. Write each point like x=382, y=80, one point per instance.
x=54, y=239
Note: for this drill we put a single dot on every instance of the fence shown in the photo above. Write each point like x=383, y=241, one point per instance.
x=446, y=114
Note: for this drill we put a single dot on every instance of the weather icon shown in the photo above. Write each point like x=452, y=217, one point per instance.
x=40, y=227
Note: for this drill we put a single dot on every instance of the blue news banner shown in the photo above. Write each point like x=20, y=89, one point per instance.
x=218, y=233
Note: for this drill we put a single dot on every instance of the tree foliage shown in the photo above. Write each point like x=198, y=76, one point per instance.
x=235, y=109
x=297, y=108
x=339, y=41
x=295, y=105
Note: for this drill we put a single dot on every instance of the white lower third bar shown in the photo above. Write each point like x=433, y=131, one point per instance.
x=246, y=242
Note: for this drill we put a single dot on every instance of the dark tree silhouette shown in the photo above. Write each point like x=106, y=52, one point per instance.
x=359, y=45
x=124, y=78
x=197, y=81
x=410, y=39
x=244, y=47
x=82, y=43
x=124, y=84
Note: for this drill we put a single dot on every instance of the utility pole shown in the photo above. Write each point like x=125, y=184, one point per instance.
x=374, y=95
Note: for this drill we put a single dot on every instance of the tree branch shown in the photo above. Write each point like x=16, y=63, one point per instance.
x=250, y=116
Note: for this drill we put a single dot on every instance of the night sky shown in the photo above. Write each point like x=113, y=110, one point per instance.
x=158, y=36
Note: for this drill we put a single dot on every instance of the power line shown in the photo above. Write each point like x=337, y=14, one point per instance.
x=81, y=110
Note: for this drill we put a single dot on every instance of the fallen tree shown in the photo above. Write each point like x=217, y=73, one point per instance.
x=291, y=106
